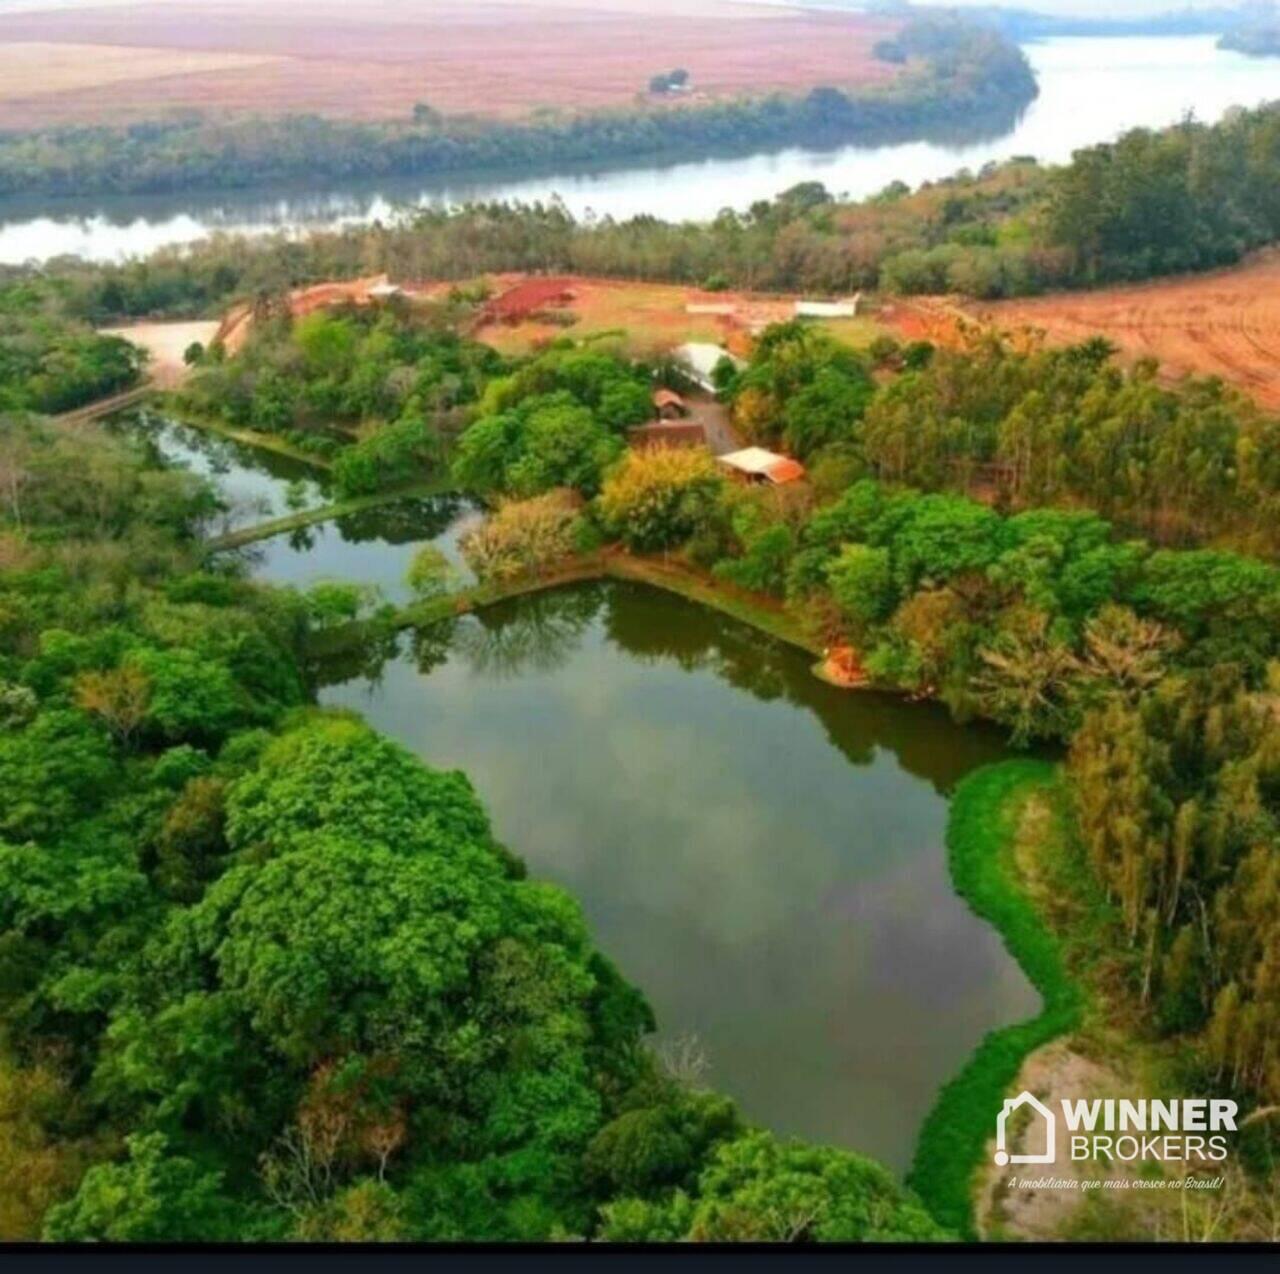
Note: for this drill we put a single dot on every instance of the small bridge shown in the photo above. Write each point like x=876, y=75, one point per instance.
x=106, y=406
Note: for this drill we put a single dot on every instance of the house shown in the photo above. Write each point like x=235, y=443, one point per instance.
x=669, y=405
x=681, y=433
x=700, y=359
x=758, y=466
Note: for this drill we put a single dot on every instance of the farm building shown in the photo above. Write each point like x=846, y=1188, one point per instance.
x=669, y=405
x=663, y=434
x=828, y=309
x=700, y=358
x=526, y=298
x=756, y=465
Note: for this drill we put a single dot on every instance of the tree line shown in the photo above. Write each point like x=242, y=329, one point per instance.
x=961, y=72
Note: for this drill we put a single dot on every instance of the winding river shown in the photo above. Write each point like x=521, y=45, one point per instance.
x=1088, y=89
x=761, y=853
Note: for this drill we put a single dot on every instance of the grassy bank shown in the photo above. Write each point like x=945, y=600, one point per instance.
x=982, y=836
x=249, y=437
x=674, y=577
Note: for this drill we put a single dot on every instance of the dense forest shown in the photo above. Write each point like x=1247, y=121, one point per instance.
x=51, y=361
x=264, y=975
x=956, y=72
x=1024, y=427
x=1177, y=799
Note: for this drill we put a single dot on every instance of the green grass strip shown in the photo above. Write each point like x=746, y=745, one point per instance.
x=325, y=513
x=982, y=834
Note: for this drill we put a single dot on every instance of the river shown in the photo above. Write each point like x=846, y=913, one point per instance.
x=1089, y=90
x=762, y=854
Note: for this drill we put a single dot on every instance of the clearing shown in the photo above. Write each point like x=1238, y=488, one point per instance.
x=656, y=317
x=166, y=343
x=501, y=58
x=525, y=312
x=1225, y=324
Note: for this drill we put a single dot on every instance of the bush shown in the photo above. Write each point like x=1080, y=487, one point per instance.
x=524, y=537
x=395, y=455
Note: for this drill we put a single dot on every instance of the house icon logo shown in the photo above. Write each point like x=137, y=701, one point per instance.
x=1011, y=1104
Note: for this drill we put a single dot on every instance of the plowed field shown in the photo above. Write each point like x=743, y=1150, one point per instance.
x=375, y=60
x=1222, y=324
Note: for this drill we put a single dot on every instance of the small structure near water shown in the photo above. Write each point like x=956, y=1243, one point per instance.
x=841, y=667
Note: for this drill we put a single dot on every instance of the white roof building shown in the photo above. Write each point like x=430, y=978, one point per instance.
x=755, y=464
x=701, y=357
x=828, y=309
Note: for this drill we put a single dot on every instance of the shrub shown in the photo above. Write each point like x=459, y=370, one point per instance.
x=523, y=537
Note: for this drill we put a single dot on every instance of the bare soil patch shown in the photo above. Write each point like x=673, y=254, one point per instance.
x=505, y=59
x=166, y=343
x=37, y=69
x=1223, y=324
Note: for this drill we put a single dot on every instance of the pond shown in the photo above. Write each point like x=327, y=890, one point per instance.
x=375, y=547
x=255, y=484
x=762, y=854
x=372, y=547
x=1090, y=89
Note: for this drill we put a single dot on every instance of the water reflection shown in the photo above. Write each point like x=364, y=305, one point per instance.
x=536, y=634
x=690, y=783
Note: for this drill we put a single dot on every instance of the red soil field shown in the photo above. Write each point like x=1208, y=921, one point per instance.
x=1223, y=324
x=502, y=58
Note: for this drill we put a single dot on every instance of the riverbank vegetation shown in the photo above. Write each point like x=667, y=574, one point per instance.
x=1191, y=197
x=267, y=976
x=1258, y=40
x=983, y=830
x=958, y=71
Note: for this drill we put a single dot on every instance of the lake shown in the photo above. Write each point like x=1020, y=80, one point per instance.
x=761, y=853
x=1090, y=89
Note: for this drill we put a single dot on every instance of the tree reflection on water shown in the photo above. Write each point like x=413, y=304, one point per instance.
x=537, y=633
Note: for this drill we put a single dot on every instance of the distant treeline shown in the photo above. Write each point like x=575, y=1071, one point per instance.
x=958, y=72
x=1026, y=24
x=1261, y=41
